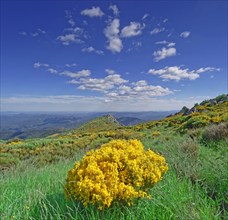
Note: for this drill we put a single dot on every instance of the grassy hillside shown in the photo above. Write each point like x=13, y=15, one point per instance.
x=193, y=141
x=104, y=123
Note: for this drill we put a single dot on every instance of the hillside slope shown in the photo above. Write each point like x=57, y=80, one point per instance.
x=104, y=123
x=103, y=129
x=193, y=141
x=213, y=111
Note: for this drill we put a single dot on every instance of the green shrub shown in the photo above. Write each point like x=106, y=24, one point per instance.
x=215, y=132
x=195, y=123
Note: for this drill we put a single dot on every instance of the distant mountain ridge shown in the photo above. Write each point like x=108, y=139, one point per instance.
x=37, y=125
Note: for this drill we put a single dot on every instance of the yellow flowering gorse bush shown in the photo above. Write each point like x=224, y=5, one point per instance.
x=120, y=170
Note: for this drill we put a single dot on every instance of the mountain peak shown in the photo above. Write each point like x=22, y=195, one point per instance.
x=104, y=123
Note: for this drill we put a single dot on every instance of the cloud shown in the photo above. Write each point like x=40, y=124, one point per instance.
x=112, y=30
x=71, y=35
x=138, y=90
x=114, y=89
x=99, y=84
x=38, y=32
x=79, y=74
x=112, y=34
x=67, y=39
x=51, y=70
x=74, y=30
x=134, y=29
x=109, y=71
x=115, y=45
x=114, y=9
x=92, y=103
x=35, y=34
x=71, y=22
x=164, y=53
x=70, y=65
x=38, y=65
x=157, y=30
x=140, y=83
x=41, y=31
x=114, y=86
x=185, y=34
x=70, y=18
x=92, y=50
x=207, y=69
x=177, y=74
x=145, y=16
x=93, y=12
x=23, y=33
x=169, y=44
x=59, y=99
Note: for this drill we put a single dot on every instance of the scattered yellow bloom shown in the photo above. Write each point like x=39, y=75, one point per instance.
x=155, y=133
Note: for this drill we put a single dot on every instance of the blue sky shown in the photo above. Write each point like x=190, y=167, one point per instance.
x=111, y=55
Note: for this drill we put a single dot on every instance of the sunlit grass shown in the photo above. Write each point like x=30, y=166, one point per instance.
x=37, y=193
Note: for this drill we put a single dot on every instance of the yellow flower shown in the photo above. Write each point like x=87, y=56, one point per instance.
x=119, y=171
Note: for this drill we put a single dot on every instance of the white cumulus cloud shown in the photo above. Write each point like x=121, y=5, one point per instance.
x=112, y=34
x=177, y=73
x=134, y=29
x=38, y=65
x=138, y=90
x=79, y=74
x=93, y=12
x=110, y=71
x=99, y=84
x=92, y=50
x=52, y=70
x=67, y=39
x=114, y=9
x=164, y=53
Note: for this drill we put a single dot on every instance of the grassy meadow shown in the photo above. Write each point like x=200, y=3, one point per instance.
x=34, y=171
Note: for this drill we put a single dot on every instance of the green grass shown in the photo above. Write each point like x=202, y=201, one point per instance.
x=195, y=186
x=28, y=192
x=37, y=193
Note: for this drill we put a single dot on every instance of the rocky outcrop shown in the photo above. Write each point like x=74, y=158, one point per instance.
x=196, y=108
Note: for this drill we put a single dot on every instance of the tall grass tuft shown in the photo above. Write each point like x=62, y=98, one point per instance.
x=215, y=132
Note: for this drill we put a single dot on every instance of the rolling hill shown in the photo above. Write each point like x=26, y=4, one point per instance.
x=194, y=142
x=104, y=123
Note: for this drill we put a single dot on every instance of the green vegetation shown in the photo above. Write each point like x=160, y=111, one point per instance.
x=104, y=123
x=194, y=143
